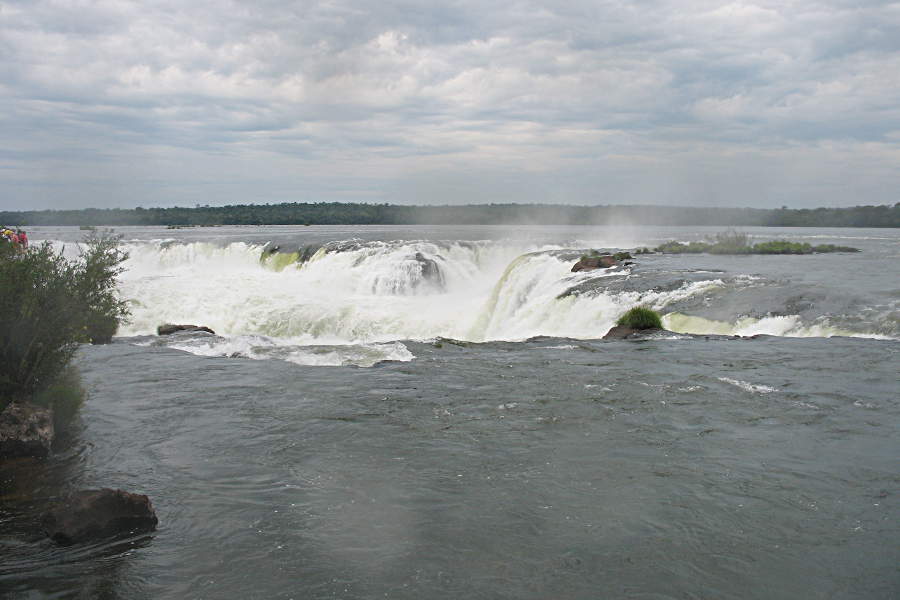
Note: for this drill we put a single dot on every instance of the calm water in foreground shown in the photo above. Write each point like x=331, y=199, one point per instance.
x=430, y=413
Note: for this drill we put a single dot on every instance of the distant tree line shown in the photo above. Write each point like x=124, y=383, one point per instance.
x=339, y=213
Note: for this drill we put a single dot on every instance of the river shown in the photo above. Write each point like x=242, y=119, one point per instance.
x=429, y=412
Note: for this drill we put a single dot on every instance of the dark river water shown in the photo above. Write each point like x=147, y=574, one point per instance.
x=400, y=439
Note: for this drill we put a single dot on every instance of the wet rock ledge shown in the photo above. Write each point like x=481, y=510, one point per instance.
x=620, y=332
x=592, y=262
x=26, y=430
x=169, y=329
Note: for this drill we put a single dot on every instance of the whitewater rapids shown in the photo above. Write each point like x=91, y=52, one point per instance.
x=356, y=301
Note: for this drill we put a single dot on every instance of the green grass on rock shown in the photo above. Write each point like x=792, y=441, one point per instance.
x=640, y=318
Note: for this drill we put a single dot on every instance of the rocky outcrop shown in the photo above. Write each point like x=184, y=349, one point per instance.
x=306, y=253
x=93, y=514
x=169, y=329
x=621, y=333
x=429, y=269
x=590, y=263
x=601, y=261
x=25, y=430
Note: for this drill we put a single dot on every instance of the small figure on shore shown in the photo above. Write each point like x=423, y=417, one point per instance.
x=18, y=238
x=9, y=235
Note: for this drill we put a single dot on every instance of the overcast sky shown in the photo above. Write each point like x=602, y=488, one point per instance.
x=115, y=103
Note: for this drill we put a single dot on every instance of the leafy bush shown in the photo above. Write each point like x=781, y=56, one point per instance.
x=680, y=248
x=782, y=247
x=823, y=248
x=49, y=305
x=732, y=242
x=102, y=258
x=640, y=318
x=65, y=396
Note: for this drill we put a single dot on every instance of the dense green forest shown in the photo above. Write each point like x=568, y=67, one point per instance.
x=337, y=213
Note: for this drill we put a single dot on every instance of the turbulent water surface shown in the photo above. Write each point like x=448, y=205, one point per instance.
x=430, y=413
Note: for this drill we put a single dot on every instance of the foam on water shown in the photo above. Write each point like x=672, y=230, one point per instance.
x=749, y=387
x=783, y=325
x=350, y=302
x=263, y=348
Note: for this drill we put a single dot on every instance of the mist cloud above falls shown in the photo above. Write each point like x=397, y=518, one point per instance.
x=116, y=103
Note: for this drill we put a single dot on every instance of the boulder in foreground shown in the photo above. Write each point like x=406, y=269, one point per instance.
x=92, y=514
x=26, y=430
x=169, y=329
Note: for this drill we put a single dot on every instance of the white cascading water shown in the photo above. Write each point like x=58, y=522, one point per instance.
x=353, y=305
x=373, y=293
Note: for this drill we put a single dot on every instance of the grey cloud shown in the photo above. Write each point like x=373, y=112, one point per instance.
x=581, y=101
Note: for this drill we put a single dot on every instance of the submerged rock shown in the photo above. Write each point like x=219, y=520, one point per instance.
x=92, y=514
x=26, y=430
x=169, y=329
x=591, y=263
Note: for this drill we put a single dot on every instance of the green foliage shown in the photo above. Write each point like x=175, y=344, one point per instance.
x=782, y=247
x=824, y=248
x=102, y=259
x=674, y=247
x=622, y=256
x=48, y=306
x=338, y=213
x=65, y=396
x=731, y=242
x=640, y=318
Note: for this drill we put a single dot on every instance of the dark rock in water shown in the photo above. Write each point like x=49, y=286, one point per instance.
x=169, y=329
x=590, y=263
x=26, y=430
x=92, y=514
x=429, y=269
x=621, y=333
x=307, y=252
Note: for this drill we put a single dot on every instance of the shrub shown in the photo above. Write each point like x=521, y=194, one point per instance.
x=832, y=248
x=782, y=247
x=732, y=242
x=680, y=248
x=102, y=258
x=640, y=318
x=65, y=396
x=48, y=306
